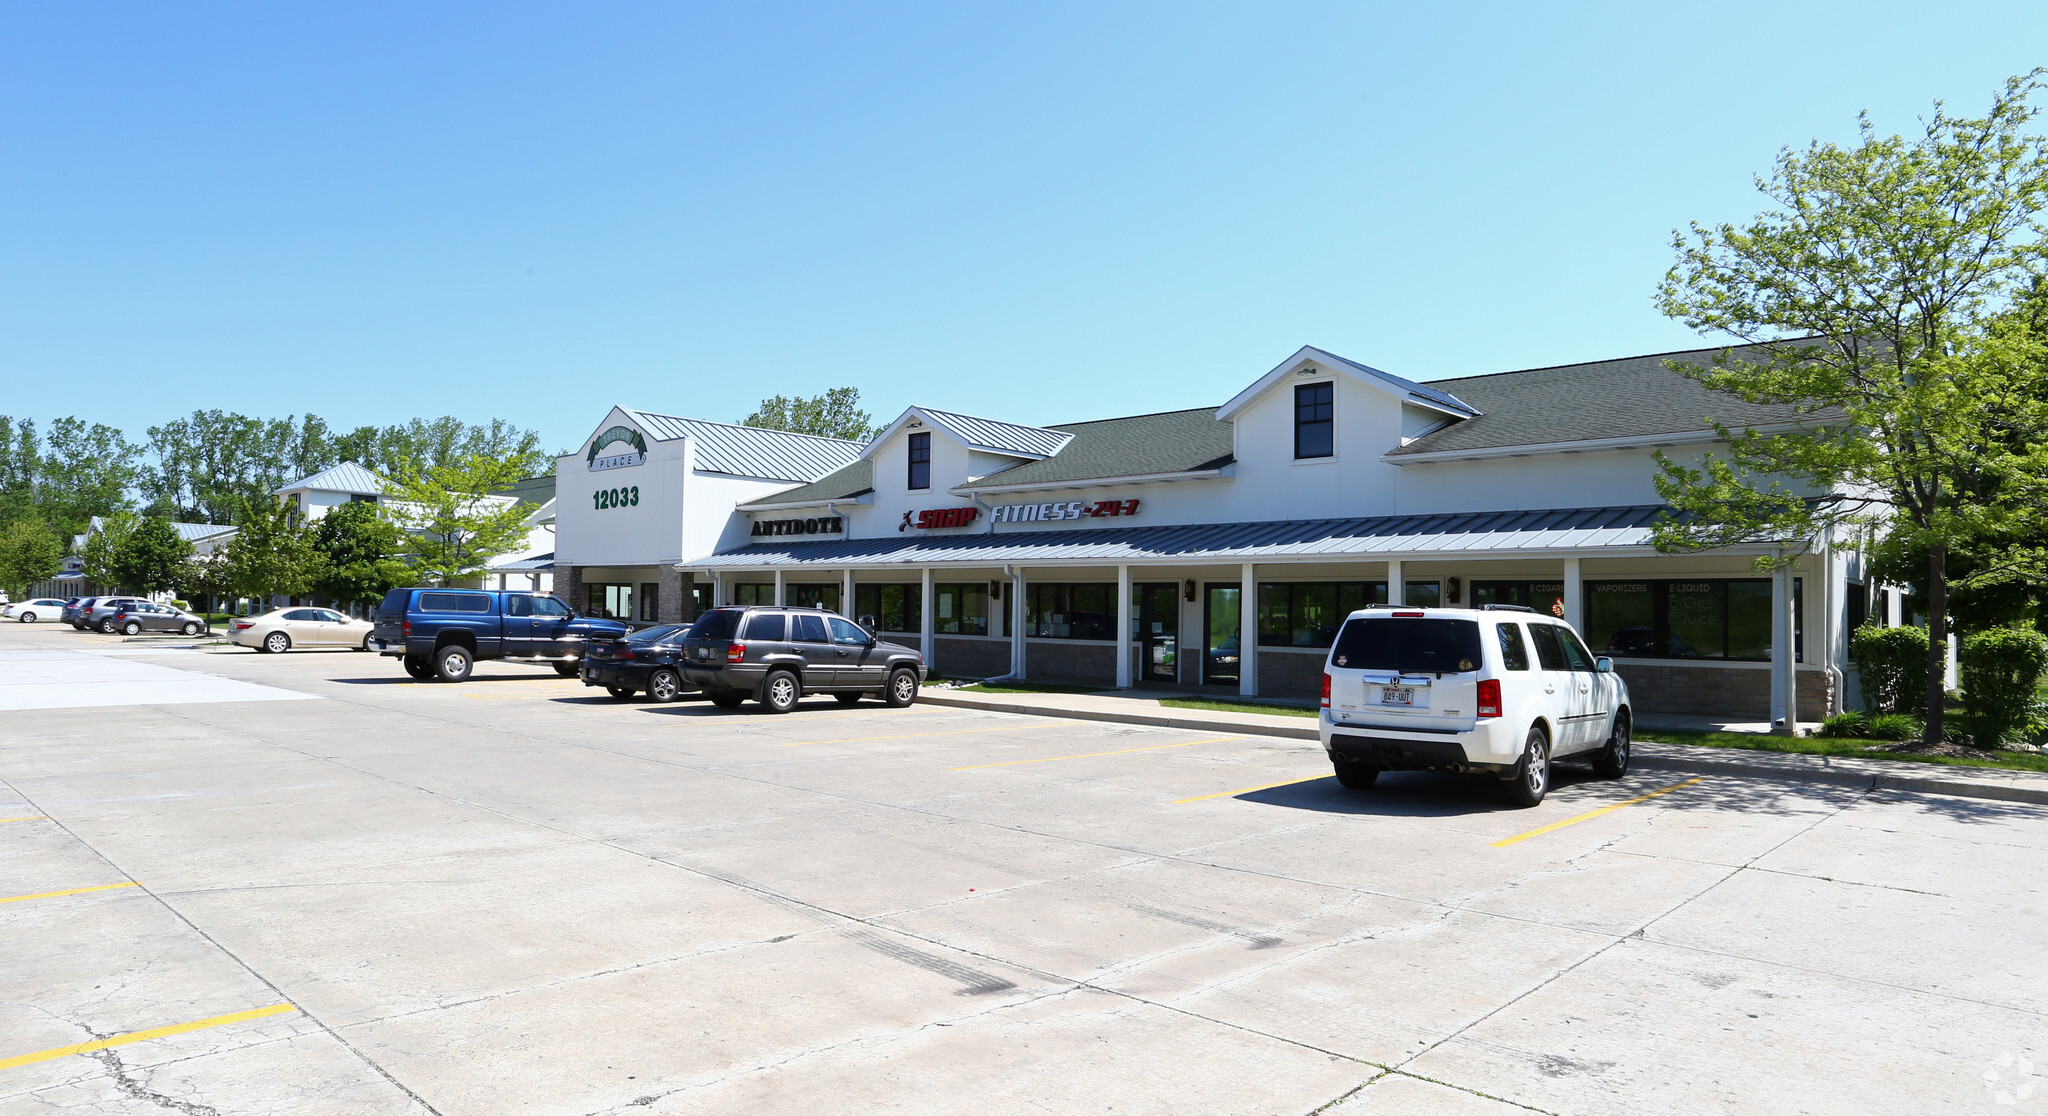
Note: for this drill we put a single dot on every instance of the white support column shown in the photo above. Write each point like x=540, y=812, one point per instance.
x=718, y=590
x=1018, y=657
x=1894, y=608
x=1574, y=596
x=1123, y=627
x=1248, y=632
x=846, y=608
x=1397, y=589
x=927, y=621
x=778, y=586
x=1781, y=650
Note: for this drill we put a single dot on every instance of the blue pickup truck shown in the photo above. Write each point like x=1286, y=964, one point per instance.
x=444, y=633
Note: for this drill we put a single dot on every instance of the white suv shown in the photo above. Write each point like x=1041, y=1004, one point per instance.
x=1499, y=690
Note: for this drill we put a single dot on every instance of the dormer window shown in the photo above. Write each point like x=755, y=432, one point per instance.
x=1315, y=412
x=921, y=460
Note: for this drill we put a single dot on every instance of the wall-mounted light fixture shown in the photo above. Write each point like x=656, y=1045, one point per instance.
x=1451, y=590
x=995, y=590
x=1189, y=589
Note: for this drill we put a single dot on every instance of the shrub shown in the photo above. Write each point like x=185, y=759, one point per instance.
x=2001, y=669
x=1894, y=726
x=1852, y=726
x=1892, y=663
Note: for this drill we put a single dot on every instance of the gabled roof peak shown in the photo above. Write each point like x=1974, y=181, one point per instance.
x=1407, y=390
x=346, y=477
x=1032, y=443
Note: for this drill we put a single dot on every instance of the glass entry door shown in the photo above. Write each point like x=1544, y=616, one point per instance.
x=1222, y=615
x=1158, y=634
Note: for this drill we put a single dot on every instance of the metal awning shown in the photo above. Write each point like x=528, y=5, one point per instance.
x=539, y=563
x=1554, y=531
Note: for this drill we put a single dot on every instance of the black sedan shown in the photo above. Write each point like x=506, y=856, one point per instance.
x=643, y=661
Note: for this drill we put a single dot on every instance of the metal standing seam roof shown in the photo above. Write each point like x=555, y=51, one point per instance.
x=752, y=451
x=1007, y=437
x=346, y=477
x=536, y=564
x=1378, y=536
x=190, y=532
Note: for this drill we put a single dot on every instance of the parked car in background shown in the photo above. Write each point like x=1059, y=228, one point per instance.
x=646, y=660
x=74, y=606
x=777, y=654
x=100, y=617
x=1500, y=690
x=134, y=619
x=28, y=612
x=282, y=629
x=445, y=632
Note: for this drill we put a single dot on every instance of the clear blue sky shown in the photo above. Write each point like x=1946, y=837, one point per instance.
x=1039, y=212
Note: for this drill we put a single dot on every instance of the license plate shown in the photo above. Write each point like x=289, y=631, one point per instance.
x=703, y=652
x=1397, y=695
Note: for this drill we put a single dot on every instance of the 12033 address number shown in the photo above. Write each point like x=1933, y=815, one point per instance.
x=628, y=497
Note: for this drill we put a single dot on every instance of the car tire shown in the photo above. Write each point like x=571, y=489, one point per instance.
x=621, y=693
x=454, y=663
x=1612, y=762
x=568, y=669
x=276, y=643
x=727, y=701
x=190, y=628
x=131, y=628
x=664, y=686
x=780, y=691
x=1353, y=775
x=28, y=617
x=419, y=668
x=365, y=644
x=848, y=699
x=901, y=690
x=106, y=627
x=1532, y=774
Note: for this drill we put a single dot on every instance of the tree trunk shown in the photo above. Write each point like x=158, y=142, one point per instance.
x=1937, y=642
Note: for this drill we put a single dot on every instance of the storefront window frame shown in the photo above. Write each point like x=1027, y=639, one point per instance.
x=1659, y=591
x=873, y=599
x=1055, y=610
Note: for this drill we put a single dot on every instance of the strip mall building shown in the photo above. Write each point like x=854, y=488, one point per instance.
x=1220, y=547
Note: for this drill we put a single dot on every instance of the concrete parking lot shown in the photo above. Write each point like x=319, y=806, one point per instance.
x=236, y=883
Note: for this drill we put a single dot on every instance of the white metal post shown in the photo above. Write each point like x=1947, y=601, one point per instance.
x=1397, y=591
x=1248, y=631
x=778, y=587
x=1781, y=649
x=846, y=608
x=1574, y=596
x=927, y=621
x=1123, y=627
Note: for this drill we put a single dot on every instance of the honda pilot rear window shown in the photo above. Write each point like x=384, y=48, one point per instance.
x=1411, y=645
x=719, y=623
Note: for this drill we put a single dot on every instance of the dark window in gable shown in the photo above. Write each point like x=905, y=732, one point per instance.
x=1315, y=411
x=921, y=460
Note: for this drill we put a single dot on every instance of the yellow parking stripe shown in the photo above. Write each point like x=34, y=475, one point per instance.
x=909, y=735
x=1591, y=814
x=72, y=891
x=1248, y=790
x=141, y=1036
x=28, y=817
x=1092, y=755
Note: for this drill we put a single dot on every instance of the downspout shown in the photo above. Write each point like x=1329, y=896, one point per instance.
x=1010, y=578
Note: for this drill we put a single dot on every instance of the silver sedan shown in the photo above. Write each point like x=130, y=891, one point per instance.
x=282, y=629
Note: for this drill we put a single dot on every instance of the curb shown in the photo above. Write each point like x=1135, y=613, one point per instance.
x=1791, y=767
x=1153, y=720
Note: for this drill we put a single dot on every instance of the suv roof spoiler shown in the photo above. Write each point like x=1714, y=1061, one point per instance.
x=1505, y=608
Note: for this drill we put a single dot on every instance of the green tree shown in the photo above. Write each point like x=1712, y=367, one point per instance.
x=360, y=549
x=456, y=526
x=1877, y=297
x=152, y=557
x=84, y=470
x=446, y=442
x=271, y=554
x=29, y=552
x=835, y=414
x=105, y=542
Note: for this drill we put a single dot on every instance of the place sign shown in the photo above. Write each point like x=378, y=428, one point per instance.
x=617, y=435
x=1074, y=509
x=821, y=525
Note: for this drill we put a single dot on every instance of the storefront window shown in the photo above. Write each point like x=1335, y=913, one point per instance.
x=812, y=596
x=1546, y=597
x=754, y=594
x=650, y=601
x=1308, y=614
x=1700, y=619
x=896, y=608
x=611, y=602
x=962, y=609
x=1071, y=611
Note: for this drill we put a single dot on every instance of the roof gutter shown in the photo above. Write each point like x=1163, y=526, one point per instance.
x=1586, y=445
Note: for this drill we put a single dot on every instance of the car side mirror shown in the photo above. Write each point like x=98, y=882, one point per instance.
x=1604, y=665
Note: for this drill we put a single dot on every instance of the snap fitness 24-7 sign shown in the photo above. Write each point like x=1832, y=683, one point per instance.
x=615, y=436
x=940, y=518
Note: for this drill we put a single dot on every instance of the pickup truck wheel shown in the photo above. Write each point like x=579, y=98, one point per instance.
x=902, y=688
x=568, y=669
x=454, y=663
x=419, y=668
x=1532, y=775
x=277, y=643
x=727, y=701
x=1353, y=775
x=190, y=628
x=779, y=692
x=848, y=699
x=621, y=693
x=131, y=628
x=664, y=686
x=1612, y=762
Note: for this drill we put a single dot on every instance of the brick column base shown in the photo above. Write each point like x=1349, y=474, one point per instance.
x=569, y=586
x=673, y=609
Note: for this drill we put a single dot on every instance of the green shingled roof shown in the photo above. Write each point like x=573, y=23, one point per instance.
x=1634, y=397
x=1139, y=446
x=857, y=479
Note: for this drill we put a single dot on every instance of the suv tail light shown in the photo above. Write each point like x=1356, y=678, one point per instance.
x=735, y=652
x=1489, y=697
x=1326, y=690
